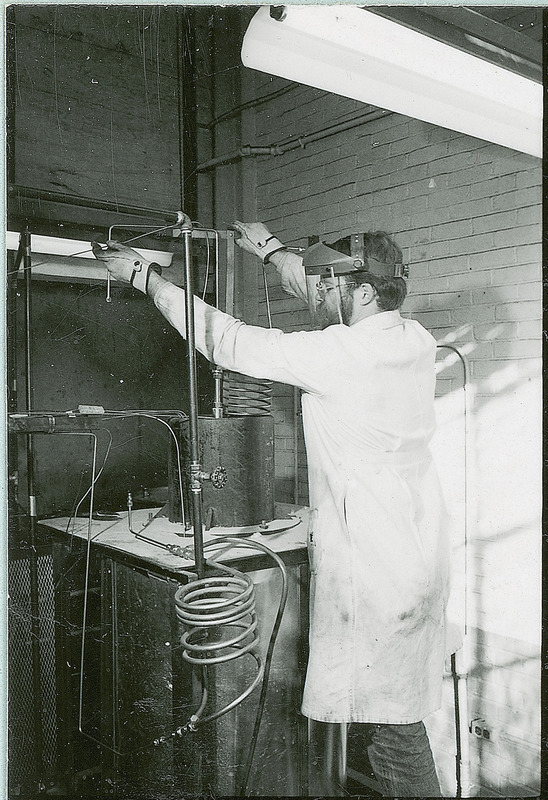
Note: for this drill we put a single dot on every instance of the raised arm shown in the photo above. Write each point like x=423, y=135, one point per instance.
x=295, y=358
x=255, y=238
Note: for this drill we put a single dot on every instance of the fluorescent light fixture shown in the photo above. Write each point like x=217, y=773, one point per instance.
x=70, y=258
x=354, y=53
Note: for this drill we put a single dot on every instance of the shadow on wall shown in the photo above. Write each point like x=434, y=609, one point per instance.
x=497, y=563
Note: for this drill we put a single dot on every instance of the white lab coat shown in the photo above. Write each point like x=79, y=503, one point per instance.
x=378, y=547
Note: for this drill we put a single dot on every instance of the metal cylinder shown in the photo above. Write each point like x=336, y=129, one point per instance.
x=244, y=448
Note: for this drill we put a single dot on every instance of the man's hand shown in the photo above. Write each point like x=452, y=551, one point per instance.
x=123, y=263
x=255, y=238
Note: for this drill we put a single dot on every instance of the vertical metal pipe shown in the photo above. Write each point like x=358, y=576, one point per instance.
x=216, y=233
x=11, y=370
x=296, y=411
x=229, y=287
x=218, y=399
x=25, y=245
x=195, y=468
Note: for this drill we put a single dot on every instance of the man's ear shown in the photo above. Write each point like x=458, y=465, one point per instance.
x=367, y=294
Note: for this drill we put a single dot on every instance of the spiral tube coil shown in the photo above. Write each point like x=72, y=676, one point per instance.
x=244, y=396
x=209, y=608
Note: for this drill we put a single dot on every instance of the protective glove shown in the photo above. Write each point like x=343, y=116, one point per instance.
x=256, y=238
x=125, y=264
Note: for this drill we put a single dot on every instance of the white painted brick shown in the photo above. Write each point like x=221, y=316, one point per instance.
x=492, y=187
x=448, y=264
x=455, y=162
x=453, y=210
x=531, y=329
x=515, y=163
x=521, y=198
x=527, y=234
x=506, y=294
x=371, y=185
x=394, y=133
x=496, y=222
x=434, y=319
x=467, y=176
x=409, y=145
x=516, y=274
x=383, y=165
x=502, y=331
x=529, y=215
x=410, y=175
x=416, y=285
x=530, y=291
x=430, y=154
x=501, y=257
x=452, y=230
x=530, y=253
x=531, y=177
x=469, y=315
x=524, y=348
x=472, y=278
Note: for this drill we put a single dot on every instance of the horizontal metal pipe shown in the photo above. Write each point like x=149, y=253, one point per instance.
x=52, y=423
x=235, y=155
x=292, y=144
x=15, y=191
x=339, y=127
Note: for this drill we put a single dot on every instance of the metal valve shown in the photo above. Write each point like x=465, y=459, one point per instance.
x=219, y=477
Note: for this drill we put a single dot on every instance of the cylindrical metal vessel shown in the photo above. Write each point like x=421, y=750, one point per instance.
x=241, y=450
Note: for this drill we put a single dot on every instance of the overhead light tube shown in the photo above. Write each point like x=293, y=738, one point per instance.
x=352, y=52
x=72, y=258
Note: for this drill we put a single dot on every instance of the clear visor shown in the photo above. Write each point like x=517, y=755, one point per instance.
x=324, y=294
x=325, y=269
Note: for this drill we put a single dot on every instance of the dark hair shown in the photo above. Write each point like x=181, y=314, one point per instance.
x=391, y=292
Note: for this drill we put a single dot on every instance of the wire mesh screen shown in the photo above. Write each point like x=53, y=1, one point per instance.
x=22, y=734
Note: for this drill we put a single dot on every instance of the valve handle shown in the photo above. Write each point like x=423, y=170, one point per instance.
x=219, y=477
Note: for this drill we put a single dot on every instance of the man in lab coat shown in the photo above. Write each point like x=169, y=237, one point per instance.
x=378, y=547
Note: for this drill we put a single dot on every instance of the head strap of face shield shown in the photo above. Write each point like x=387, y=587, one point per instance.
x=320, y=259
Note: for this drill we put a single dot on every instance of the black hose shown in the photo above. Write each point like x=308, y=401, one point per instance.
x=264, y=669
x=458, y=754
x=268, y=660
x=264, y=688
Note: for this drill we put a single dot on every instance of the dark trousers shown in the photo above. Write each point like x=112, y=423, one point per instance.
x=402, y=760
x=399, y=756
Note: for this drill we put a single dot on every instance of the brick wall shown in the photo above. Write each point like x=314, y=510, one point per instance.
x=467, y=215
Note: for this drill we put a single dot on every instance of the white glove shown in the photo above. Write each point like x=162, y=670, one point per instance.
x=124, y=264
x=256, y=238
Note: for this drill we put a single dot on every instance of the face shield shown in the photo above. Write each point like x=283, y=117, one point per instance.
x=326, y=270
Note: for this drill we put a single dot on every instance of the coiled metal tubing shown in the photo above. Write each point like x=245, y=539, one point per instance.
x=211, y=606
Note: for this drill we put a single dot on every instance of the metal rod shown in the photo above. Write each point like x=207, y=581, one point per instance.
x=195, y=467
x=267, y=297
x=230, y=275
x=74, y=200
x=296, y=411
x=33, y=557
x=12, y=371
x=217, y=270
x=218, y=395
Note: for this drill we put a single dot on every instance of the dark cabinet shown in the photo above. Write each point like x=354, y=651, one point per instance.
x=124, y=685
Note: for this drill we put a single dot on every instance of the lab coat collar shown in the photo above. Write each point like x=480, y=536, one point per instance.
x=381, y=321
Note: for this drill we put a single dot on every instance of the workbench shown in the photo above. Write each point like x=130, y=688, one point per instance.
x=135, y=688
